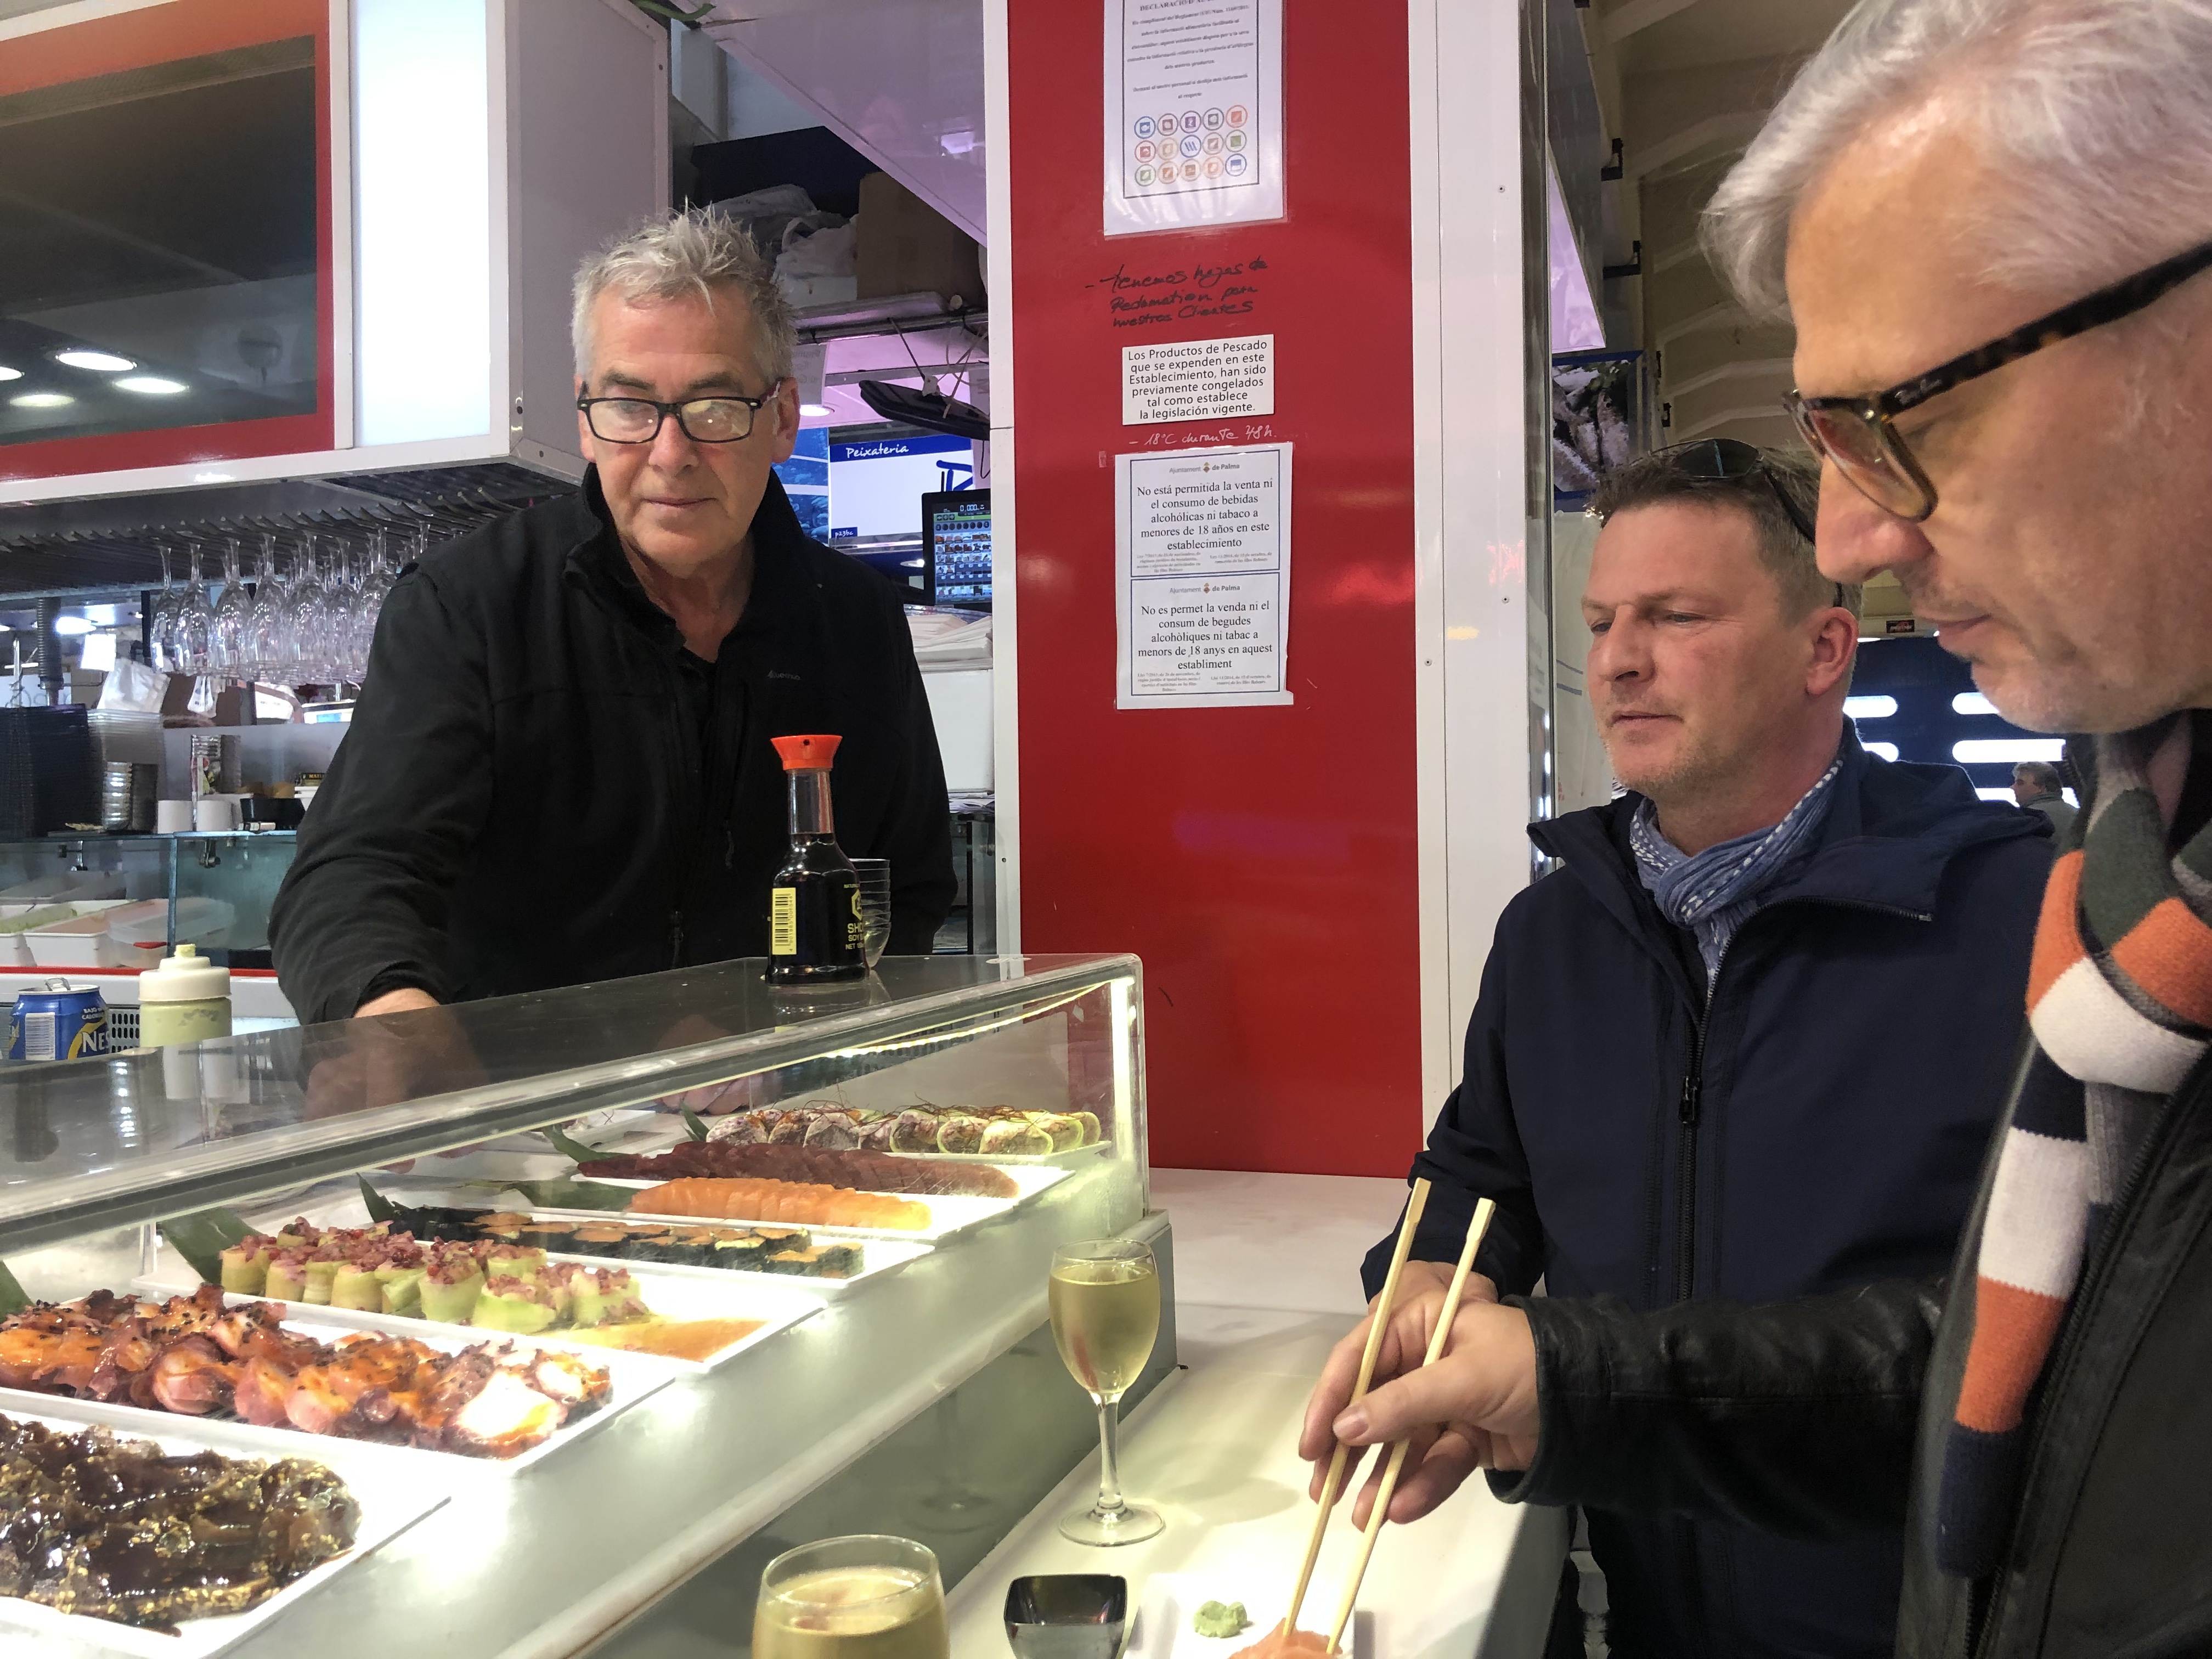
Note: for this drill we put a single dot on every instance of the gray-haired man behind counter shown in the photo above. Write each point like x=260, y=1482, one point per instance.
x=560, y=768
x=1991, y=223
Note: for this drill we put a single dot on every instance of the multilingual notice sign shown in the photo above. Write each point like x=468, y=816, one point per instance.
x=1202, y=577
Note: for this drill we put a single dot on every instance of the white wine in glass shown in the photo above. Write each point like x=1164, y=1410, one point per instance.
x=867, y=1596
x=1105, y=1302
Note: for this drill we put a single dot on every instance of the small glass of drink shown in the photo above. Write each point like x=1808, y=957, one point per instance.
x=1105, y=1301
x=867, y=1596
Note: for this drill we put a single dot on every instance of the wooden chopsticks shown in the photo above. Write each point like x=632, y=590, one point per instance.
x=1383, y=1304
x=1476, y=1228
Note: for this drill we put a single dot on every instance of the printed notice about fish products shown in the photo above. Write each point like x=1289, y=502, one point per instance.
x=1202, y=577
x=1198, y=380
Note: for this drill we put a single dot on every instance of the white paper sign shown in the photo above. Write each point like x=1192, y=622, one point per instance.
x=1194, y=114
x=1198, y=380
x=1202, y=577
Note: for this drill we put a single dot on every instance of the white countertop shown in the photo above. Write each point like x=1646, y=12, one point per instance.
x=1266, y=1279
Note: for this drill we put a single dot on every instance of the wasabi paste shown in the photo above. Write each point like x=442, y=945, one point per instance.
x=1219, y=1618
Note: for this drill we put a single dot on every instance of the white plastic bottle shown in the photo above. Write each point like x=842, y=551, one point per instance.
x=185, y=1000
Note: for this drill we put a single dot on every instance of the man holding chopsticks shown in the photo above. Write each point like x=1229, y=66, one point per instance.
x=1991, y=223
x=1737, y=1045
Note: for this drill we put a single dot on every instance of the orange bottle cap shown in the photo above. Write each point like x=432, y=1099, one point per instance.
x=815, y=753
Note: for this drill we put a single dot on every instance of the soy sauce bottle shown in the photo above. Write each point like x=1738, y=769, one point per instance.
x=814, y=927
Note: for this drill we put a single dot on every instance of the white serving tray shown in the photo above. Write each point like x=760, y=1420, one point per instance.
x=947, y=1215
x=881, y=1255
x=1172, y=1599
x=1074, y=1158
x=631, y=1376
x=393, y=1498
x=773, y=1304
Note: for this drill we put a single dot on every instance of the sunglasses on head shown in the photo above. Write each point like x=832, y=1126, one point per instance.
x=1730, y=460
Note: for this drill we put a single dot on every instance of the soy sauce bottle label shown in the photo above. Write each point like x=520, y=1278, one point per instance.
x=783, y=921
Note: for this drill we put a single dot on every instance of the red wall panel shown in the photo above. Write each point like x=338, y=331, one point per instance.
x=1260, y=860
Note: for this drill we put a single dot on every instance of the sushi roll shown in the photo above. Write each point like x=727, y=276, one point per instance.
x=287, y=1280
x=1090, y=1130
x=876, y=1135
x=643, y=1243
x=1014, y=1138
x=835, y=1132
x=561, y=1279
x=400, y=1289
x=548, y=1234
x=245, y=1266
x=606, y=1295
x=913, y=1131
x=500, y=1235
x=961, y=1132
x=826, y=1261
x=513, y=1305
x=741, y=1253
x=356, y=1287
x=321, y=1275
x=515, y=1262
x=783, y=1238
x=450, y=1286
x=790, y=1128
x=599, y=1238
x=740, y=1129
x=1066, y=1134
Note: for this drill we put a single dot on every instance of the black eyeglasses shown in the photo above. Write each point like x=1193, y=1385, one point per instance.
x=722, y=420
x=1858, y=436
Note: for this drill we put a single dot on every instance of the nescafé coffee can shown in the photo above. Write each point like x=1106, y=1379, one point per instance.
x=60, y=1022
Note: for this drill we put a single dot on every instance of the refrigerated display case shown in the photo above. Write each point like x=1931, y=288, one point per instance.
x=924, y=1398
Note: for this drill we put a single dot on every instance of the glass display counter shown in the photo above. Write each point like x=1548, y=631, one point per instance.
x=923, y=1397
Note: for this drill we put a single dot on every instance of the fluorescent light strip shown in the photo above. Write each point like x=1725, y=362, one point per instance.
x=1886, y=751
x=1870, y=708
x=1973, y=702
x=1997, y=752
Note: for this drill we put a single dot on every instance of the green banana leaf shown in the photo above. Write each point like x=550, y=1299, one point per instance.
x=568, y=1195
x=570, y=1148
x=201, y=1238
x=692, y=1125
x=12, y=1299
x=379, y=1206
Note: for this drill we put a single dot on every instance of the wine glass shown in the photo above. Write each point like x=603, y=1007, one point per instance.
x=161, y=626
x=233, y=614
x=844, y=1597
x=304, y=611
x=1105, y=1301
x=376, y=585
x=265, y=632
x=195, y=621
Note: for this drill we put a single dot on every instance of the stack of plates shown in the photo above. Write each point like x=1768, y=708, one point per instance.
x=49, y=772
x=127, y=792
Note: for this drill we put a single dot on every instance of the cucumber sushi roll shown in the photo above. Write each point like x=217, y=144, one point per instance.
x=401, y=1290
x=321, y=1275
x=245, y=1267
x=513, y=1305
x=450, y=1289
x=287, y=1280
x=515, y=1262
x=356, y=1287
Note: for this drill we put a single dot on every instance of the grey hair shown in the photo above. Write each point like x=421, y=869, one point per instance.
x=694, y=251
x=2097, y=113
x=2042, y=773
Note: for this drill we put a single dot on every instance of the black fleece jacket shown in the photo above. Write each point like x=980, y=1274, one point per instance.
x=525, y=801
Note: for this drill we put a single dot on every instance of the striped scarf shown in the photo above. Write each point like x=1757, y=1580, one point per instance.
x=2119, y=999
x=1712, y=893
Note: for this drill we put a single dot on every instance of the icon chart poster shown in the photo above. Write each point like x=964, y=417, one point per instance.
x=1202, y=577
x=1194, y=114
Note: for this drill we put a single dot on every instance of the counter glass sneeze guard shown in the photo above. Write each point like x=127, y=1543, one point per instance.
x=927, y=1401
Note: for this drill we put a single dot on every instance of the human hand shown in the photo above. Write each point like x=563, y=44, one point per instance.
x=1442, y=1453
x=406, y=999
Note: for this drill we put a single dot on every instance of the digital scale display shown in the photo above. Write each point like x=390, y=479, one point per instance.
x=957, y=540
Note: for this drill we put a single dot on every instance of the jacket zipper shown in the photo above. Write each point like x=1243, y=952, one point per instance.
x=1688, y=1108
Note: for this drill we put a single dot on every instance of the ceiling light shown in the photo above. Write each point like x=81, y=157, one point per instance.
x=215, y=478
x=1870, y=708
x=816, y=410
x=8, y=374
x=1973, y=702
x=151, y=385
x=72, y=625
x=42, y=400
x=1887, y=751
x=106, y=361
x=1994, y=752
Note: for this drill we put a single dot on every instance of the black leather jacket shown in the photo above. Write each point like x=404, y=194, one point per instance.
x=1803, y=1418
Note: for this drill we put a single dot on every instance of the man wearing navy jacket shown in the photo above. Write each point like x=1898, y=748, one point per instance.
x=1749, y=1040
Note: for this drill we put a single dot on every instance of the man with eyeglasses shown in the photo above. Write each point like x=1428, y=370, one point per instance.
x=1990, y=220
x=1731, y=1046
x=560, y=767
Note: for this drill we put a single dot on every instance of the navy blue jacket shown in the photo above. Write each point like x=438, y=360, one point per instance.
x=1816, y=1124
